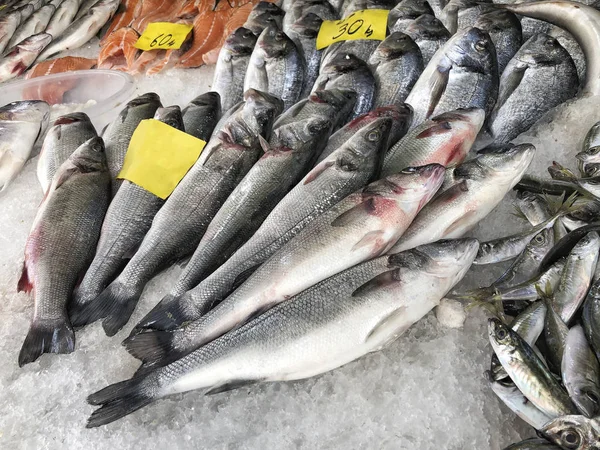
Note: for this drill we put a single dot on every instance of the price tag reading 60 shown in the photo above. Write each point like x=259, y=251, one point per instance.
x=365, y=24
x=163, y=36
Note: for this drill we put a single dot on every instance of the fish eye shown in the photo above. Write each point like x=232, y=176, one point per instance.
x=549, y=42
x=480, y=46
x=539, y=239
x=409, y=170
x=570, y=439
x=279, y=36
x=501, y=333
x=373, y=136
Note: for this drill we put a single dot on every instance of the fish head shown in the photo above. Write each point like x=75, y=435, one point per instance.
x=343, y=63
x=413, y=184
x=308, y=25
x=305, y=134
x=573, y=432
x=592, y=138
x=542, y=49
x=592, y=170
x=449, y=258
x=211, y=100
x=274, y=42
x=72, y=118
x=267, y=7
x=461, y=124
x=496, y=21
x=590, y=154
x=257, y=23
x=501, y=336
x=342, y=100
x=393, y=47
x=506, y=161
x=588, y=245
x=264, y=107
x=371, y=141
x=90, y=156
x=241, y=41
x=427, y=27
x=170, y=115
x=473, y=50
x=409, y=9
x=138, y=105
x=25, y=111
x=540, y=244
x=33, y=44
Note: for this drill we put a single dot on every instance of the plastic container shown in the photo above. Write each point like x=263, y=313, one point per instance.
x=101, y=94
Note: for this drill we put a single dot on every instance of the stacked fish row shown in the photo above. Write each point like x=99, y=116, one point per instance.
x=35, y=30
x=312, y=216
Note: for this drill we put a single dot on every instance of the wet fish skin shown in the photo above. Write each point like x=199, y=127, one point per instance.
x=231, y=67
x=504, y=29
x=128, y=219
x=581, y=372
x=401, y=116
x=555, y=335
x=61, y=245
x=591, y=317
x=429, y=33
x=335, y=307
x=304, y=34
x=86, y=5
x=573, y=432
x=62, y=18
x=263, y=14
x=533, y=206
x=397, y=63
x=463, y=74
x=8, y=25
x=528, y=372
x=444, y=139
x=201, y=115
x=62, y=139
x=22, y=55
x=36, y=24
x=82, y=29
x=343, y=172
x=21, y=123
x=405, y=12
x=524, y=95
x=175, y=232
x=485, y=181
x=118, y=134
x=346, y=71
x=300, y=8
x=276, y=67
x=462, y=14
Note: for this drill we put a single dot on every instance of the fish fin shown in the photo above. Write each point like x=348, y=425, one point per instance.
x=389, y=328
x=65, y=175
x=243, y=276
x=373, y=240
x=317, y=171
x=435, y=130
x=383, y=279
x=229, y=386
x=24, y=284
x=166, y=315
x=47, y=336
x=118, y=400
x=458, y=223
x=153, y=346
x=438, y=84
x=264, y=144
x=115, y=305
x=509, y=84
x=356, y=213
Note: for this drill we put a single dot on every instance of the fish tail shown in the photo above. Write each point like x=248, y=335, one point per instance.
x=115, y=305
x=47, y=336
x=120, y=399
x=170, y=313
x=154, y=348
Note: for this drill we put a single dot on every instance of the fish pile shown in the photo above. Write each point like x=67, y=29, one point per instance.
x=35, y=30
x=327, y=212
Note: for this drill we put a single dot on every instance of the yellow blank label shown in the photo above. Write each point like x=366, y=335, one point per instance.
x=365, y=24
x=159, y=156
x=163, y=36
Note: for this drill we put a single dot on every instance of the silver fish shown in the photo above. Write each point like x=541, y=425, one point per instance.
x=533, y=206
x=276, y=67
x=397, y=64
x=462, y=74
x=304, y=33
x=573, y=432
x=262, y=15
x=21, y=123
x=300, y=8
x=231, y=67
x=201, y=115
x=462, y=14
x=524, y=95
x=20, y=57
x=8, y=25
x=429, y=34
x=62, y=18
x=405, y=12
x=485, y=181
x=82, y=29
x=36, y=24
x=71, y=213
x=504, y=29
x=127, y=221
x=555, y=336
x=62, y=139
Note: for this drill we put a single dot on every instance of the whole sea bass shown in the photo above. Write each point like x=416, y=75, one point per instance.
x=505, y=30
x=262, y=15
x=118, y=134
x=346, y=170
x=481, y=184
x=540, y=76
x=304, y=33
x=61, y=245
x=362, y=226
x=62, y=139
x=21, y=123
x=82, y=29
x=365, y=307
x=34, y=25
x=397, y=64
x=232, y=65
x=22, y=55
x=127, y=221
x=463, y=74
x=276, y=66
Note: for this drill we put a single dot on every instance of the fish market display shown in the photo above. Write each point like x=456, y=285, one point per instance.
x=34, y=25
x=22, y=55
x=429, y=33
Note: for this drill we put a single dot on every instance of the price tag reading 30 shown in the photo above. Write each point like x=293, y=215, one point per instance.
x=365, y=24
x=163, y=36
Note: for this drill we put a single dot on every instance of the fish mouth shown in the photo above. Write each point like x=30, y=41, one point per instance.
x=71, y=118
x=144, y=99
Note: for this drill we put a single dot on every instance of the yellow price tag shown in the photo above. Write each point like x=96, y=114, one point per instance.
x=365, y=24
x=163, y=36
x=159, y=156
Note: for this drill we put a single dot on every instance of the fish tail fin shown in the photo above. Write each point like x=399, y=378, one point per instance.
x=47, y=336
x=170, y=313
x=115, y=305
x=153, y=347
x=120, y=399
